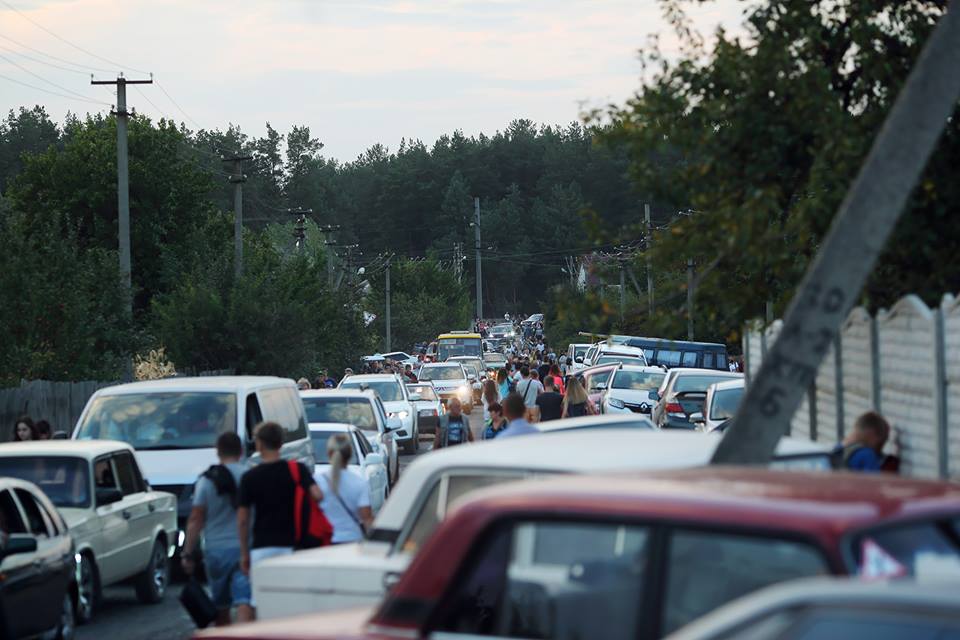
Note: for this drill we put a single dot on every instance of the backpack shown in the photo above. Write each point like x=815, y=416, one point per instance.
x=224, y=482
x=318, y=531
x=455, y=432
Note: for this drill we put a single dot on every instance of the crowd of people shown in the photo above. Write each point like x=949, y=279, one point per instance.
x=25, y=430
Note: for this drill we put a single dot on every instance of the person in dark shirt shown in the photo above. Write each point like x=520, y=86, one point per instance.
x=550, y=401
x=269, y=490
x=862, y=450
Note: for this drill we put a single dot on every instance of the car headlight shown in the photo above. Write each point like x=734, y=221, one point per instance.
x=615, y=403
x=466, y=391
x=398, y=414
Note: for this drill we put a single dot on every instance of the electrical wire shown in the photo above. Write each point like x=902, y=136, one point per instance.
x=54, y=93
x=49, y=64
x=65, y=41
x=86, y=69
x=175, y=103
x=51, y=82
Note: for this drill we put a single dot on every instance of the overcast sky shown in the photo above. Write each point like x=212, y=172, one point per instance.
x=356, y=72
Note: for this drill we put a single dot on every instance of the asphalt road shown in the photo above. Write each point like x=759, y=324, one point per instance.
x=121, y=616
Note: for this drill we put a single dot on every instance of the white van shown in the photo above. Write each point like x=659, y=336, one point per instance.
x=173, y=424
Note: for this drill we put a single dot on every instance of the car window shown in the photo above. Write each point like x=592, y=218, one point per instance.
x=708, y=361
x=450, y=487
x=553, y=579
x=65, y=480
x=254, y=414
x=697, y=383
x=613, y=359
x=442, y=373
x=54, y=523
x=355, y=411
x=360, y=442
x=319, y=441
x=103, y=474
x=127, y=476
x=709, y=569
x=10, y=519
x=874, y=623
x=725, y=403
x=425, y=392
x=35, y=520
x=637, y=380
x=668, y=358
x=689, y=359
x=592, y=380
x=920, y=549
x=154, y=421
x=278, y=406
x=388, y=390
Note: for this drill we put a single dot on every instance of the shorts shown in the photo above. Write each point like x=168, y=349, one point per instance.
x=260, y=554
x=229, y=587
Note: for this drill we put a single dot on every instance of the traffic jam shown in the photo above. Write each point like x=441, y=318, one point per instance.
x=459, y=492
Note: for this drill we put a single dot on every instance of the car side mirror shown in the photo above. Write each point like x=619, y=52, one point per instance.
x=17, y=544
x=108, y=495
x=472, y=378
x=373, y=459
x=697, y=418
x=578, y=360
x=415, y=397
x=653, y=395
x=60, y=435
x=394, y=424
x=601, y=386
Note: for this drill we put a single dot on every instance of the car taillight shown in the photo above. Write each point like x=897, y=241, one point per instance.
x=674, y=407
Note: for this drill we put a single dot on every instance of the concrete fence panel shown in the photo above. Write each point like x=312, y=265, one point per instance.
x=951, y=349
x=858, y=366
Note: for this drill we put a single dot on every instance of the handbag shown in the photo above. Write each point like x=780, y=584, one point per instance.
x=318, y=531
x=356, y=520
x=198, y=604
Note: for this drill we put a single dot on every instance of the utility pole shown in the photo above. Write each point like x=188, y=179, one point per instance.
x=649, y=238
x=329, y=228
x=689, y=298
x=123, y=182
x=623, y=291
x=237, y=179
x=388, y=319
x=476, y=235
x=300, y=230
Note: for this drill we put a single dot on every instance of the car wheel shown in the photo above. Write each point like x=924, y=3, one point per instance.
x=68, y=619
x=151, y=585
x=88, y=588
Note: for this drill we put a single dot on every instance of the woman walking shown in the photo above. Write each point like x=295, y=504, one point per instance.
x=557, y=378
x=576, y=402
x=489, y=397
x=503, y=383
x=24, y=430
x=346, y=495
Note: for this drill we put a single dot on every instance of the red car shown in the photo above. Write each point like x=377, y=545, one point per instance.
x=639, y=556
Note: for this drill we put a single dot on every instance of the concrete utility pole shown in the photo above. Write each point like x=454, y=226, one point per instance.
x=388, y=348
x=237, y=179
x=623, y=291
x=646, y=218
x=300, y=230
x=476, y=235
x=329, y=228
x=123, y=182
x=690, y=298
x=856, y=238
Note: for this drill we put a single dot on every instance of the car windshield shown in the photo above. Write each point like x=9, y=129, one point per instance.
x=66, y=481
x=494, y=358
x=388, y=390
x=927, y=549
x=725, y=403
x=697, y=383
x=637, y=380
x=319, y=440
x=154, y=421
x=471, y=369
x=425, y=392
x=452, y=347
x=612, y=359
x=579, y=352
x=442, y=373
x=355, y=411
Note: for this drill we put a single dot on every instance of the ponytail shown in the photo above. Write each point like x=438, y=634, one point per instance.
x=340, y=451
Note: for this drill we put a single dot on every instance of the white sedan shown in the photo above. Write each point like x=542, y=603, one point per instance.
x=629, y=389
x=365, y=461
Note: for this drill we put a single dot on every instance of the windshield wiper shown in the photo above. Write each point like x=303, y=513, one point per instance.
x=171, y=447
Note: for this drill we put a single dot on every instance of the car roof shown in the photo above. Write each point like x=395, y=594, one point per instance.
x=237, y=384
x=433, y=365
x=563, y=452
x=825, y=504
x=639, y=368
x=621, y=349
x=331, y=426
x=829, y=592
x=371, y=377
x=74, y=448
x=339, y=393
x=613, y=420
x=688, y=371
x=738, y=383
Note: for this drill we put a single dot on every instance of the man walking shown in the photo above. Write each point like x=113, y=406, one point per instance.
x=270, y=491
x=550, y=402
x=529, y=389
x=514, y=410
x=453, y=427
x=215, y=514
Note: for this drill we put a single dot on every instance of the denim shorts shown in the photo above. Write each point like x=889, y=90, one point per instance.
x=229, y=587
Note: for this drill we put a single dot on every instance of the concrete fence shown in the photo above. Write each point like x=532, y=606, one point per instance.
x=904, y=363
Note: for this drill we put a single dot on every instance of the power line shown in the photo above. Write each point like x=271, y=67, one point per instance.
x=51, y=82
x=175, y=103
x=54, y=93
x=86, y=68
x=38, y=60
x=65, y=41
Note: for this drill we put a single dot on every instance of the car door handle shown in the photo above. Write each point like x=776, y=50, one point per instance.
x=126, y=514
x=152, y=507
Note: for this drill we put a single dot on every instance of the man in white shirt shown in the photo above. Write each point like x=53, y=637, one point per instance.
x=529, y=389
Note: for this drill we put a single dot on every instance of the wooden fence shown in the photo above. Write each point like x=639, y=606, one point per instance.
x=59, y=403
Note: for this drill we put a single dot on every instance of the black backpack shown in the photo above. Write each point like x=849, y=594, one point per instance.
x=224, y=482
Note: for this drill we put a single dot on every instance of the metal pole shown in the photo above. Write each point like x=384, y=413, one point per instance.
x=388, y=319
x=476, y=222
x=237, y=179
x=123, y=193
x=646, y=217
x=623, y=290
x=689, y=298
x=856, y=238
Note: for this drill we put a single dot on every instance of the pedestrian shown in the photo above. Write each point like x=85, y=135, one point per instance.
x=529, y=388
x=862, y=449
x=44, y=431
x=496, y=423
x=214, y=514
x=303, y=384
x=409, y=374
x=453, y=427
x=577, y=402
x=346, y=494
x=543, y=370
x=24, y=430
x=557, y=376
x=270, y=492
x=503, y=383
x=490, y=395
x=550, y=402
x=347, y=372
x=514, y=410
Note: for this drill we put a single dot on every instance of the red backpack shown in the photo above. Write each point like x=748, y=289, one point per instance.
x=319, y=531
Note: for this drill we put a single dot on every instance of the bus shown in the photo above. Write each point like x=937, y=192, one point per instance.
x=459, y=343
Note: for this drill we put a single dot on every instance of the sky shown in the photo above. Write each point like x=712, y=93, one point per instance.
x=357, y=72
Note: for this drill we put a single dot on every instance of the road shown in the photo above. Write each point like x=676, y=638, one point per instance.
x=121, y=616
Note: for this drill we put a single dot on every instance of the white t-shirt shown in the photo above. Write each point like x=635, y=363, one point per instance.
x=529, y=398
x=355, y=493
